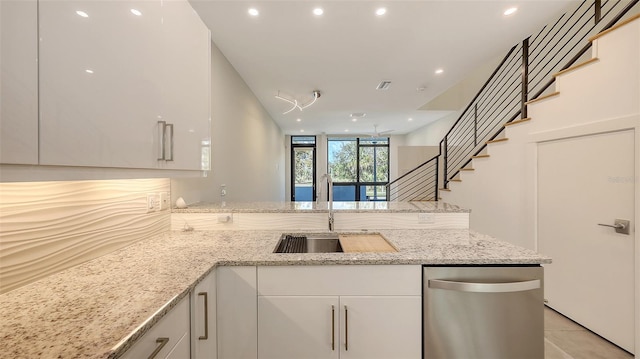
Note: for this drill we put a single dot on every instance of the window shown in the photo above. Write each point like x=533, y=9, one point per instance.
x=359, y=168
x=303, y=168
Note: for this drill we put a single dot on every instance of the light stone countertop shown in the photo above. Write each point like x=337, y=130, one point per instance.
x=310, y=207
x=87, y=310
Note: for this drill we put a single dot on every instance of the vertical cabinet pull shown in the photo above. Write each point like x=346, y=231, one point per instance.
x=333, y=327
x=162, y=125
x=206, y=317
x=170, y=145
x=165, y=137
x=162, y=342
x=346, y=328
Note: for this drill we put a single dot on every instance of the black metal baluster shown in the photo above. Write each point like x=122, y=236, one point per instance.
x=525, y=78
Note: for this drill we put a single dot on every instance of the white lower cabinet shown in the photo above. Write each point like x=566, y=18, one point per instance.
x=339, y=327
x=237, y=313
x=169, y=338
x=203, y=319
x=381, y=327
x=339, y=312
x=298, y=327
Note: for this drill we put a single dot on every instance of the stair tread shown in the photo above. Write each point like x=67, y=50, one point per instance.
x=498, y=140
x=576, y=66
x=613, y=28
x=481, y=156
x=444, y=189
x=543, y=98
x=522, y=120
x=455, y=180
x=467, y=169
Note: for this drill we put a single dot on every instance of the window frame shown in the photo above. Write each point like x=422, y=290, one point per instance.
x=293, y=165
x=358, y=183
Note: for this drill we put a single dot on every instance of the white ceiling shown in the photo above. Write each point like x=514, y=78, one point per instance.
x=347, y=51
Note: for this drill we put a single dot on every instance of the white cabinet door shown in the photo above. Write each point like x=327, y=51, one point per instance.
x=381, y=327
x=203, y=318
x=186, y=54
x=170, y=333
x=100, y=83
x=300, y=327
x=19, y=81
x=110, y=71
x=237, y=313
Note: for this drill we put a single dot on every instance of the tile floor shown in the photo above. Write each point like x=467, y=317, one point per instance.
x=564, y=339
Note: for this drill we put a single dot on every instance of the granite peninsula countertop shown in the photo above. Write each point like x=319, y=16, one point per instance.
x=310, y=207
x=98, y=309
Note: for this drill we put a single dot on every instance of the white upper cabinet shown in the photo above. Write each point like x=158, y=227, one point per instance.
x=19, y=81
x=186, y=85
x=110, y=71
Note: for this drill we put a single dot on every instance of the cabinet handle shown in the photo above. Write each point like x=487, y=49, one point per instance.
x=206, y=317
x=170, y=129
x=346, y=328
x=162, y=342
x=162, y=125
x=333, y=327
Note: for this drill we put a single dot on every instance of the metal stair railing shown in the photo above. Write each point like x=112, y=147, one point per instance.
x=419, y=184
x=523, y=71
x=524, y=74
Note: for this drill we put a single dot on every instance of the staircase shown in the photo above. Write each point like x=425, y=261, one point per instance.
x=526, y=75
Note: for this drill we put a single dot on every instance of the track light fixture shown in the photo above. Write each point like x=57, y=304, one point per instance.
x=295, y=104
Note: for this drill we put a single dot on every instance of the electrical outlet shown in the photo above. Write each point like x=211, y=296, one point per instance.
x=164, y=201
x=152, y=202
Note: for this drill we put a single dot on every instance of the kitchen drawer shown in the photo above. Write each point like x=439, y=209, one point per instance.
x=340, y=280
x=174, y=326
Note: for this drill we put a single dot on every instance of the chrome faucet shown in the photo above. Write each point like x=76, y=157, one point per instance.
x=330, y=192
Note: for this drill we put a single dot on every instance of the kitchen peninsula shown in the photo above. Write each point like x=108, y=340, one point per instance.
x=100, y=308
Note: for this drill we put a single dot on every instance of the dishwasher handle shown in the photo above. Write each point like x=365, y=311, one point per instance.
x=484, y=287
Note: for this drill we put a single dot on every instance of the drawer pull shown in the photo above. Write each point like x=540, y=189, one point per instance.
x=206, y=317
x=162, y=342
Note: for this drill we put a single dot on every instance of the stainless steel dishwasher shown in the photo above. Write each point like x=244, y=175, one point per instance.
x=480, y=312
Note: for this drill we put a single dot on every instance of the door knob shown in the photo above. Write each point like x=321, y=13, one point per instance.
x=620, y=225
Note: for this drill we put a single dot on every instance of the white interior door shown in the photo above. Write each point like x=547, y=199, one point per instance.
x=584, y=181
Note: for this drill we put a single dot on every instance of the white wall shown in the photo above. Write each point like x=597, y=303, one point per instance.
x=433, y=133
x=248, y=153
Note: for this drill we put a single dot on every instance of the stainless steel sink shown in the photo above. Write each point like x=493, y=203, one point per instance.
x=308, y=243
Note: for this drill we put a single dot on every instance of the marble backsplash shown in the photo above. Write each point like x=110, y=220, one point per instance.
x=46, y=227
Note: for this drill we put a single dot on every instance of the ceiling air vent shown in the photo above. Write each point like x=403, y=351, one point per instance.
x=383, y=85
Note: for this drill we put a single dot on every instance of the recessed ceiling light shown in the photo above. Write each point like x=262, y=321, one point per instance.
x=89, y=71
x=318, y=11
x=439, y=71
x=381, y=11
x=136, y=12
x=410, y=119
x=254, y=12
x=354, y=119
x=347, y=130
x=301, y=130
x=510, y=11
x=299, y=120
x=82, y=13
